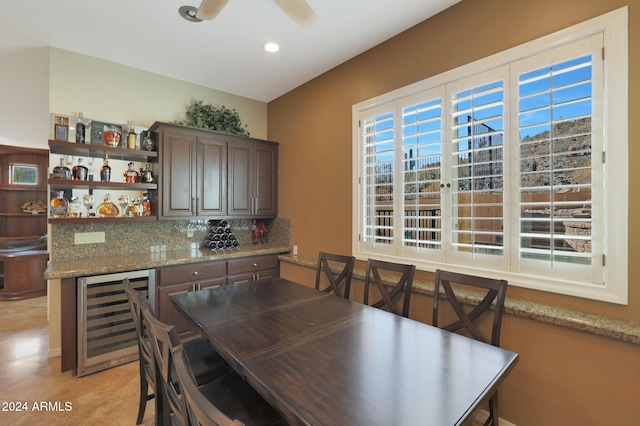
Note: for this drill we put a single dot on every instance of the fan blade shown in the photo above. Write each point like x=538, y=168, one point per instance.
x=299, y=11
x=209, y=9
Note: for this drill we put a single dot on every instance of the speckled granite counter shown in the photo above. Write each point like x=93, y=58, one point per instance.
x=69, y=268
x=626, y=331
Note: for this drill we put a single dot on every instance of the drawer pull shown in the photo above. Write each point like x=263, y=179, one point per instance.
x=255, y=265
x=196, y=273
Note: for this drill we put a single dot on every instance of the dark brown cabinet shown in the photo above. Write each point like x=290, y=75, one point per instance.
x=252, y=269
x=253, y=179
x=183, y=279
x=193, y=173
x=198, y=276
x=211, y=174
x=23, y=251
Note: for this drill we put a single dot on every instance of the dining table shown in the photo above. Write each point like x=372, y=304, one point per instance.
x=320, y=359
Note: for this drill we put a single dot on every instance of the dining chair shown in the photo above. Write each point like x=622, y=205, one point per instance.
x=467, y=318
x=234, y=395
x=336, y=279
x=208, y=364
x=228, y=401
x=398, y=276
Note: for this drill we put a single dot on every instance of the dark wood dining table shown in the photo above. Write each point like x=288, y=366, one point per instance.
x=320, y=359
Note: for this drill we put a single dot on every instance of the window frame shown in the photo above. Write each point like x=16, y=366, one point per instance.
x=614, y=28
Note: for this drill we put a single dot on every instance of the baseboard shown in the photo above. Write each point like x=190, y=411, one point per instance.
x=54, y=353
x=483, y=415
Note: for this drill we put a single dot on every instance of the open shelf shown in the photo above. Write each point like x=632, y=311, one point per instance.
x=98, y=151
x=57, y=184
x=94, y=219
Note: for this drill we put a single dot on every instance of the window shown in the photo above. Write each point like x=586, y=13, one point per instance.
x=500, y=167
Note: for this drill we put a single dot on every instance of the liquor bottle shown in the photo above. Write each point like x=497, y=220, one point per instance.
x=131, y=175
x=61, y=171
x=59, y=205
x=75, y=208
x=146, y=175
x=105, y=170
x=146, y=204
x=134, y=208
x=80, y=129
x=107, y=208
x=131, y=136
x=79, y=171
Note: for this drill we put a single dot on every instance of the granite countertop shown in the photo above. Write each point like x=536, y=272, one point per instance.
x=614, y=328
x=149, y=260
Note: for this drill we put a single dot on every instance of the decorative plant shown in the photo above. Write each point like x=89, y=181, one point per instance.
x=221, y=119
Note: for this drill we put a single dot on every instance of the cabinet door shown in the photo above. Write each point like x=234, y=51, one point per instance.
x=178, y=175
x=266, y=180
x=211, y=197
x=240, y=164
x=253, y=179
x=166, y=312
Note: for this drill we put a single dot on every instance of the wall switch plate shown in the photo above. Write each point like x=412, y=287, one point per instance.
x=295, y=250
x=88, y=237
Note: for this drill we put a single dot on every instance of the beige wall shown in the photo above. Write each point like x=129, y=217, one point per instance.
x=563, y=377
x=114, y=93
x=24, y=96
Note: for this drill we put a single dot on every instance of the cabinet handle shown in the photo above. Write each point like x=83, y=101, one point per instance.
x=255, y=265
x=193, y=206
x=196, y=273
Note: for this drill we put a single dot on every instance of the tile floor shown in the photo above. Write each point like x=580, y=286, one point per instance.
x=109, y=397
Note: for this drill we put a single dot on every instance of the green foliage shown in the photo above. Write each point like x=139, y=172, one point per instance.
x=220, y=119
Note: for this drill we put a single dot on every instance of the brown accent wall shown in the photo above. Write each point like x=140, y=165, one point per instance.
x=313, y=125
x=313, y=122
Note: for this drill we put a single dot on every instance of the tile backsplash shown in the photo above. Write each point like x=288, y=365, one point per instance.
x=135, y=237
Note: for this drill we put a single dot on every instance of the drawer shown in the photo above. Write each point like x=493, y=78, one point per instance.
x=250, y=264
x=192, y=272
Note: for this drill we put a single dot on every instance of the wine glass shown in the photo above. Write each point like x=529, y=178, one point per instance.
x=87, y=200
x=123, y=202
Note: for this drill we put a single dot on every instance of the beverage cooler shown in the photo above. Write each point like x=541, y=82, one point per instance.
x=106, y=332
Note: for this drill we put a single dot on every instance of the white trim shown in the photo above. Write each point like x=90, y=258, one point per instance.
x=614, y=26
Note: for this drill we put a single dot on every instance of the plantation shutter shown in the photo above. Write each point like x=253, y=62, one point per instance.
x=377, y=135
x=422, y=136
x=559, y=177
x=477, y=124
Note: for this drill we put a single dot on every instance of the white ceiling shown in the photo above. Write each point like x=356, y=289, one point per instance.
x=223, y=54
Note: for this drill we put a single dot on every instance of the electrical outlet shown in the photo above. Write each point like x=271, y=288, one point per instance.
x=189, y=233
x=88, y=237
x=295, y=250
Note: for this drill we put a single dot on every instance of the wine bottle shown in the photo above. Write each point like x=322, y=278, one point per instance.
x=80, y=129
x=105, y=170
x=61, y=171
x=79, y=171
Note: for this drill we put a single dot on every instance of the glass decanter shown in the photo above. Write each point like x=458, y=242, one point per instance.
x=107, y=208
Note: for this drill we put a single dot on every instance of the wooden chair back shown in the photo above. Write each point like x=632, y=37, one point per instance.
x=163, y=339
x=145, y=352
x=396, y=275
x=493, y=289
x=201, y=411
x=340, y=281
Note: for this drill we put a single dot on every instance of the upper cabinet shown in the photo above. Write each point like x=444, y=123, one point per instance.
x=253, y=179
x=193, y=173
x=210, y=174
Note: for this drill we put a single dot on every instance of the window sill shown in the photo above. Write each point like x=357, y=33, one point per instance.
x=599, y=325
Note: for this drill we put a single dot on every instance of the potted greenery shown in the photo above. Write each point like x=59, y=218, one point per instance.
x=220, y=119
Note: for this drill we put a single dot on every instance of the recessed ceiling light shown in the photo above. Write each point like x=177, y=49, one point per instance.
x=189, y=13
x=271, y=47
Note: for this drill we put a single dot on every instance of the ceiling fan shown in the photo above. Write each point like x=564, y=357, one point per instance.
x=298, y=10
